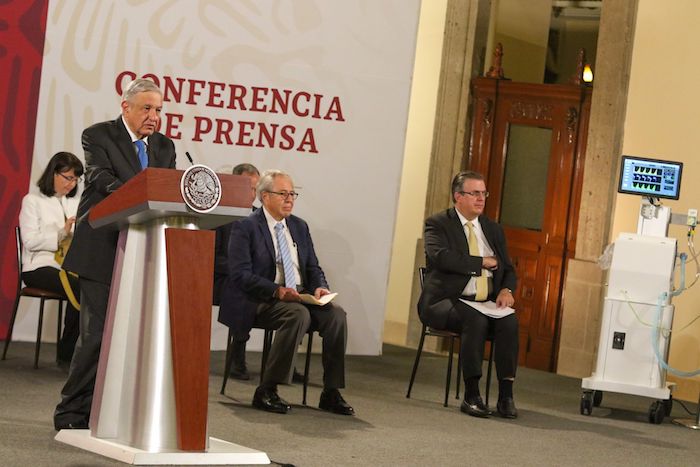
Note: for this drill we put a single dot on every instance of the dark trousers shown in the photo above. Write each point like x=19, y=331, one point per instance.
x=76, y=395
x=474, y=328
x=47, y=278
x=291, y=320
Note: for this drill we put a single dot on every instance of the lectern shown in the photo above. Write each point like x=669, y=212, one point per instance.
x=151, y=391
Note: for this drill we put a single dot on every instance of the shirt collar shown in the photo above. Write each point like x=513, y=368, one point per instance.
x=464, y=220
x=271, y=221
x=134, y=138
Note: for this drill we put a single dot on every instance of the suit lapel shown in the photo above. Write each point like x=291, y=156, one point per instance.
x=123, y=141
x=264, y=233
x=489, y=233
x=458, y=230
x=293, y=227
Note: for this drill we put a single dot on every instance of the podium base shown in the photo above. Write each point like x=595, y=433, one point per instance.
x=220, y=452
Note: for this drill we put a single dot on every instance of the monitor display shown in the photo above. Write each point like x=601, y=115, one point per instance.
x=650, y=177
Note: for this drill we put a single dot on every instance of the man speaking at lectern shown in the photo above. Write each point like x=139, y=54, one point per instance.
x=271, y=259
x=115, y=151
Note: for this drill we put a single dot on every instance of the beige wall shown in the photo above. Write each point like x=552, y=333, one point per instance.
x=414, y=178
x=662, y=122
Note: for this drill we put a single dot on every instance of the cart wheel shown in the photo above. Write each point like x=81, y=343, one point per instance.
x=657, y=412
x=586, y=402
x=597, y=398
x=668, y=405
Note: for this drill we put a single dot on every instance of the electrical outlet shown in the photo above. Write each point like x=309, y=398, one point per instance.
x=692, y=218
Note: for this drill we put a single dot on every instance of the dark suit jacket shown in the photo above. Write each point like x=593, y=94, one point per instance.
x=223, y=233
x=111, y=160
x=450, y=267
x=252, y=268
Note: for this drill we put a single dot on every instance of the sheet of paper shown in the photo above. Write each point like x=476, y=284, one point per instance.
x=311, y=300
x=489, y=308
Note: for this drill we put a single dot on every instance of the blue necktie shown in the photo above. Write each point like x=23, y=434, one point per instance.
x=143, y=157
x=287, y=265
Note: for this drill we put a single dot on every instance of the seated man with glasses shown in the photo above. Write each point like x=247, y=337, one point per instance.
x=271, y=259
x=467, y=261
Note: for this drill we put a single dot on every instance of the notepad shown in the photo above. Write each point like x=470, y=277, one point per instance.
x=490, y=308
x=311, y=300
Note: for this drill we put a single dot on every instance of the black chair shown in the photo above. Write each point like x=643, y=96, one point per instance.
x=35, y=292
x=267, y=344
x=428, y=331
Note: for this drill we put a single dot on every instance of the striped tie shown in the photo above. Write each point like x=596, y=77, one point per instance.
x=482, y=282
x=283, y=246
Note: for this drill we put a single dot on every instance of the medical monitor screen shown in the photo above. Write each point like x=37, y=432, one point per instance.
x=650, y=177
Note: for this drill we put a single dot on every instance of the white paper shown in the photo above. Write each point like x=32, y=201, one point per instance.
x=311, y=300
x=490, y=308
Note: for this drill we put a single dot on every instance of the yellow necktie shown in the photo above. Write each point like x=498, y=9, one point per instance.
x=482, y=283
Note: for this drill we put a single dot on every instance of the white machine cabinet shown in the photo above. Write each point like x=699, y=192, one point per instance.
x=641, y=270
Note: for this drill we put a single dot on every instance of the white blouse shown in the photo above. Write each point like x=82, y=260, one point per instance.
x=41, y=220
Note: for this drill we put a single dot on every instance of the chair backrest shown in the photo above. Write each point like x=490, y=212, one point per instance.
x=18, y=243
x=421, y=276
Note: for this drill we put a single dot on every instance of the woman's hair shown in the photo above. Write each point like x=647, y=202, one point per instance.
x=60, y=162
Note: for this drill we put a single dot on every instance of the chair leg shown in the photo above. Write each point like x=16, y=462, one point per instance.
x=488, y=373
x=38, y=334
x=459, y=372
x=449, y=370
x=8, y=337
x=306, y=366
x=267, y=344
x=415, y=363
x=229, y=360
x=59, y=326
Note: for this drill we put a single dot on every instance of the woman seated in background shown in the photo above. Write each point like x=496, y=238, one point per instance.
x=46, y=220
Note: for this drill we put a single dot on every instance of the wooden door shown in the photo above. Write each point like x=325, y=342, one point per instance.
x=529, y=140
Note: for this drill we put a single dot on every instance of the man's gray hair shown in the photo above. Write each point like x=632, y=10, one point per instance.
x=461, y=177
x=245, y=168
x=139, y=85
x=267, y=180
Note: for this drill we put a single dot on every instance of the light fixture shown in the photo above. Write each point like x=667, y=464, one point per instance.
x=587, y=74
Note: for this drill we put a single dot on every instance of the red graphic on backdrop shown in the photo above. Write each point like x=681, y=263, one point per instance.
x=22, y=31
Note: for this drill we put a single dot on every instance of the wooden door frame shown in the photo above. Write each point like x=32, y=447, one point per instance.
x=530, y=106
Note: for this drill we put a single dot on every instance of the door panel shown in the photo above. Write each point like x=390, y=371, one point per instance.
x=525, y=138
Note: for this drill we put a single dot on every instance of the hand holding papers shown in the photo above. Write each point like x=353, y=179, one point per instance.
x=311, y=300
x=489, y=308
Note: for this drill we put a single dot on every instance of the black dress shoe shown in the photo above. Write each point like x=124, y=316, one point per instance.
x=268, y=400
x=475, y=407
x=332, y=401
x=506, y=408
x=240, y=372
x=80, y=425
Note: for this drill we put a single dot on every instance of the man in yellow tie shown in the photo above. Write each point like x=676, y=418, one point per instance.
x=468, y=265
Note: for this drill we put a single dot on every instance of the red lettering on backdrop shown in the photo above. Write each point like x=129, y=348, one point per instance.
x=243, y=98
x=223, y=129
x=244, y=132
x=118, y=83
x=172, y=122
x=214, y=94
x=202, y=125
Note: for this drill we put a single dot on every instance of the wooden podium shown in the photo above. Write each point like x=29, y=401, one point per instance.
x=151, y=390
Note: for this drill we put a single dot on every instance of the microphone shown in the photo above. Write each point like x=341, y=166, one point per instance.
x=189, y=158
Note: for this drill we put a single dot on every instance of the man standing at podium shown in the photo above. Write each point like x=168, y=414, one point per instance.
x=115, y=151
x=271, y=260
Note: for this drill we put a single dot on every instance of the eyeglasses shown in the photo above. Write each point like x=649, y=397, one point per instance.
x=475, y=194
x=285, y=194
x=70, y=179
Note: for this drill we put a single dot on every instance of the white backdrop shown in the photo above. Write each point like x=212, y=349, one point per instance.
x=347, y=65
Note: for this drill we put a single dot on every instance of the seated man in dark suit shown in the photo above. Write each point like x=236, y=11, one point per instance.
x=467, y=259
x=239, y=369
x=271, y=259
